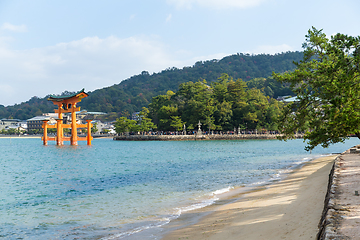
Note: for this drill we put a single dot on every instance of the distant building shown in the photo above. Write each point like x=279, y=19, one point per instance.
x=6, y=123
x=23, y=124
x=88, y=115
x=54, y=115
x=287, y=99
x=282, y=98
x=99, y=125
x=81, y=116
x=36, y=123
x=135, y=116
x=291, y=99
x=108, y=128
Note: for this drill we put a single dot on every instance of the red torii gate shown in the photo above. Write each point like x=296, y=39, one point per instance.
x=67, y=104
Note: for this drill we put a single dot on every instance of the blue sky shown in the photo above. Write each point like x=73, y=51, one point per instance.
x=95, y=44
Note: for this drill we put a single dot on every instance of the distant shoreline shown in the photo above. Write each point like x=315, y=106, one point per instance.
x=40, y=136
x=197, y=137
x=20, y=136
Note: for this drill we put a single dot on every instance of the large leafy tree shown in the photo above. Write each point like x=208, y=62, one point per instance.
x=327, y=85
x=195, y=103
x=162, y=110
x=223, y=105
x=123, y=124
x=145, y=124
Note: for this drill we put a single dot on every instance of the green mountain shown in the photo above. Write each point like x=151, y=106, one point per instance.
x=136, y=92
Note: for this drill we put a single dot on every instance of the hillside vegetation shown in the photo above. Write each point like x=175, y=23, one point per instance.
x=136, y=92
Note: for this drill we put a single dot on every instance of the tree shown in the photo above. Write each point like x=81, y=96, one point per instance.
x=144, y=121
x=67, y=131
x=176, y=123
x=238, y=97
x=255, y=110
x=94, y=128
x=223, y=108
x=160, y=108
x=123, y=124
x=327, y=85
x=195, y=103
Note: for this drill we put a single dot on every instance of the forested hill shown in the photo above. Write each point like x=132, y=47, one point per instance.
x=136, y=92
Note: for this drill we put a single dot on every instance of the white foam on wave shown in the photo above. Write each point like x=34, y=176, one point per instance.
x=205, y=201
x=195, y=206
x=221, y=191
x=128, y=233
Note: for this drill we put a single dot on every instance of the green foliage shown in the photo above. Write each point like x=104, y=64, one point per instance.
x=225, y=105
x=161, y=110
x=326, y=83
x=51, y=130
x=144, y=124
x=176, y=123
x=270, y=87
x=195, y=102
x=123, y=125
x=94, y=128
x=35, y=131
x=10, y=131
x=67, y=130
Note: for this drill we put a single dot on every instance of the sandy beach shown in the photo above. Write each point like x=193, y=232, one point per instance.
x=19, y=136
x=287, y=209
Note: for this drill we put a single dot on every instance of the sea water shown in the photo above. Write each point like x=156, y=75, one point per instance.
x=118, y=189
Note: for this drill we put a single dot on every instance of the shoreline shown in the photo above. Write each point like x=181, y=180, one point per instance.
x=40, y=136
x=198, y=137
x=21, y=136
x=289, y=208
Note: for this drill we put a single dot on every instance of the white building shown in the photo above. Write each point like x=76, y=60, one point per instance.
x=6, y=123
x=36, y=123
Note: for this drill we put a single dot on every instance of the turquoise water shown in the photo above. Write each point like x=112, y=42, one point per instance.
x=116, y=189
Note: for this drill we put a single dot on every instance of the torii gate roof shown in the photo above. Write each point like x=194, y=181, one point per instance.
x=80, y=95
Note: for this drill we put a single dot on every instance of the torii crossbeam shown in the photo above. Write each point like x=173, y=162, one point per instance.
x=67, y=104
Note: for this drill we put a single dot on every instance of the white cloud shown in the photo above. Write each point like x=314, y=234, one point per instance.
x=268, y=49
x=215, y=4
x=168, y=19
x=89, y=63
x=181, y=3
x=14, y=28
x=132, y=16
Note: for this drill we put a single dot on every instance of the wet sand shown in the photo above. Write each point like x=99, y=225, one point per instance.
x=287, y=209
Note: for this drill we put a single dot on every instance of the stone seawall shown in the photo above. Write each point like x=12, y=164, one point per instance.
x=341, y=207
x=196, y=137
x=324, y=221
